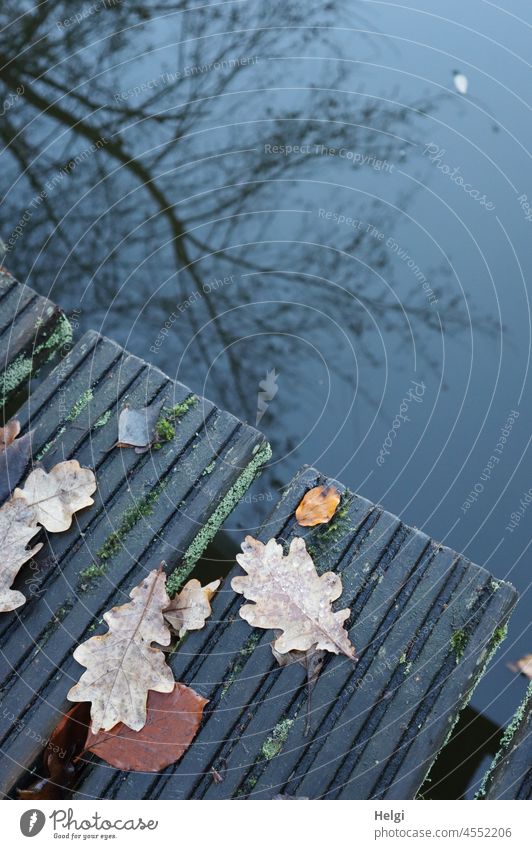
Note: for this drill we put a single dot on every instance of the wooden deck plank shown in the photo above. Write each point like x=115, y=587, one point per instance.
x=32, y=330
x=510, y=774
x=377, y=726
x=165, y=504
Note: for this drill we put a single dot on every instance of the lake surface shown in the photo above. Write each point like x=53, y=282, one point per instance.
x=302, y=195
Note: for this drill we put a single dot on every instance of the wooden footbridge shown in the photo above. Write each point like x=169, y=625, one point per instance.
x=425, y=620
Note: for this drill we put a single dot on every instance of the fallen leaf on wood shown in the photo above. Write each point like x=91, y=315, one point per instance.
x=15, y=455
x=122, y=665
x=290, y=596
x=136, y=428
x=9, y=433
x=523, y=666
x=317, y=506
x=18, y=525
x=58, y=494
x=59, y=765
x=172, y=722
x=49, y=499
x=189, y=609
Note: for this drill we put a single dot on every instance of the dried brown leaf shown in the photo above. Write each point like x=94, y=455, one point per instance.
x=172, y=722
x=136, y=427
x=58, y=494
x=317, y=506
x=18, y=525
x=49, y=499
x=523, y=666
x=60, y=764
x=189, y=609
x=9, y=433
x=122, y=665
x=290, y=596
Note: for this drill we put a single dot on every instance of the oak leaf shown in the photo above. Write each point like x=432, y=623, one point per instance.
x=317, y=506
x=122, y=665
x=172, y=722
x=49, y=499
x=290, y=596
x=189, y=609
x=58, y=494
x=18, y=525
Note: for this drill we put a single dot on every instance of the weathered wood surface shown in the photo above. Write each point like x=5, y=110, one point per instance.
x=163, y=505
x=32, y=330
x=425, y=622
x=510, y=775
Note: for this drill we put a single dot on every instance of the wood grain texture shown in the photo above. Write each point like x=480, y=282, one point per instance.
x=162, y=505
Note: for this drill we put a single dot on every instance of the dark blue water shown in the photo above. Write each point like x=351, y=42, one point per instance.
x=231, y=190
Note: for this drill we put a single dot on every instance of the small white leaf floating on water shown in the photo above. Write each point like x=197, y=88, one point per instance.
x=461, y=83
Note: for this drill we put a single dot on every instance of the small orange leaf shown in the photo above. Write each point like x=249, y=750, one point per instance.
x=523, y=666
x=318, y=506
x=9, y=433
x=172, y=722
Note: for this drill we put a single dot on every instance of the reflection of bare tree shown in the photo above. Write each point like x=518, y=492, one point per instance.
x=178, y=187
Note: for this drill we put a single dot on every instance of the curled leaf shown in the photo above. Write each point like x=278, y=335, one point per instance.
x=58, y=494
x=318, y=506
x=136, y=428
x=172, y=722
x=122, y=665
x=189, y=609
x=60, y=766
x=290, y=596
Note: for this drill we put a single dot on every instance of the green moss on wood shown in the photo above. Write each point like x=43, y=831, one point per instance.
x=54, y=624
x=226, y=505
x=237, y=667
x=165, y=428
x=77, y=408
x=102, y=421
x=458, y=642
x=142, y=508
x=506, y=740
x=275, y=742
x=21, y=368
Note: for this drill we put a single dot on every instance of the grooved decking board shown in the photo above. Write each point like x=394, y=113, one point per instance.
x=165, y=505
x=32, y=329
x=510, y=775
x=377, y=726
